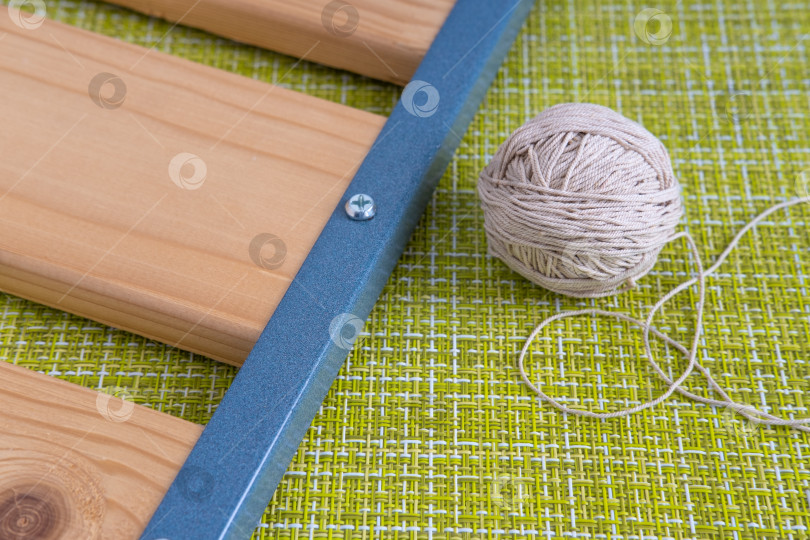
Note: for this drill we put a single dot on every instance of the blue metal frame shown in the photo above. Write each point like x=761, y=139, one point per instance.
x=230, y=475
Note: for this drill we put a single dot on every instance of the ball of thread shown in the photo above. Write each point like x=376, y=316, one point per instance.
x=580, y=200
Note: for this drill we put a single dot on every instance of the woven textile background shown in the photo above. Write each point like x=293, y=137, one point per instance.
x=428, y=433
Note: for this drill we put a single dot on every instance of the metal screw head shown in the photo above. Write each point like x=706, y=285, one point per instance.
x=361, y=207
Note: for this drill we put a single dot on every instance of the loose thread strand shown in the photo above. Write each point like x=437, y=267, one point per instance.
x=750, y=412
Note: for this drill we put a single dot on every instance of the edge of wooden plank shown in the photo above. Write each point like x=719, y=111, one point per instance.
x=383, y=40
x=19, y=278
x=76, y=463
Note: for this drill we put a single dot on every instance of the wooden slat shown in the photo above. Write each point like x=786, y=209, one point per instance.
x=383, y=39
x=91, y=221
x=75, y=463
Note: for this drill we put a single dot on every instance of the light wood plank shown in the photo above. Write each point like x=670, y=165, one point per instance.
x=383, y=39
x=91, y=221
x=75, y=463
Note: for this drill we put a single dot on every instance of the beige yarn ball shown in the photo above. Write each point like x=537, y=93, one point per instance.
x=580, y=200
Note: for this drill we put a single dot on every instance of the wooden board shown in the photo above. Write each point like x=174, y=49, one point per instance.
x=75, y=463
x=383, y=39
x=94, y=220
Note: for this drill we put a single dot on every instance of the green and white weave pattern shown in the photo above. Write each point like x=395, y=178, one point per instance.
x=428, y=433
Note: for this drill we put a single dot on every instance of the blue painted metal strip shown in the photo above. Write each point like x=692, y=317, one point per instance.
x=230, y=475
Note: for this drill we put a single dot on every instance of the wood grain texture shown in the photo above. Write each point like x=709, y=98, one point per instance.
x=383, y=39
x=75, y=463
x=94, y=220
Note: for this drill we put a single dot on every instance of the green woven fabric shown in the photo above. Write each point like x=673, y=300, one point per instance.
x=428, y=433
